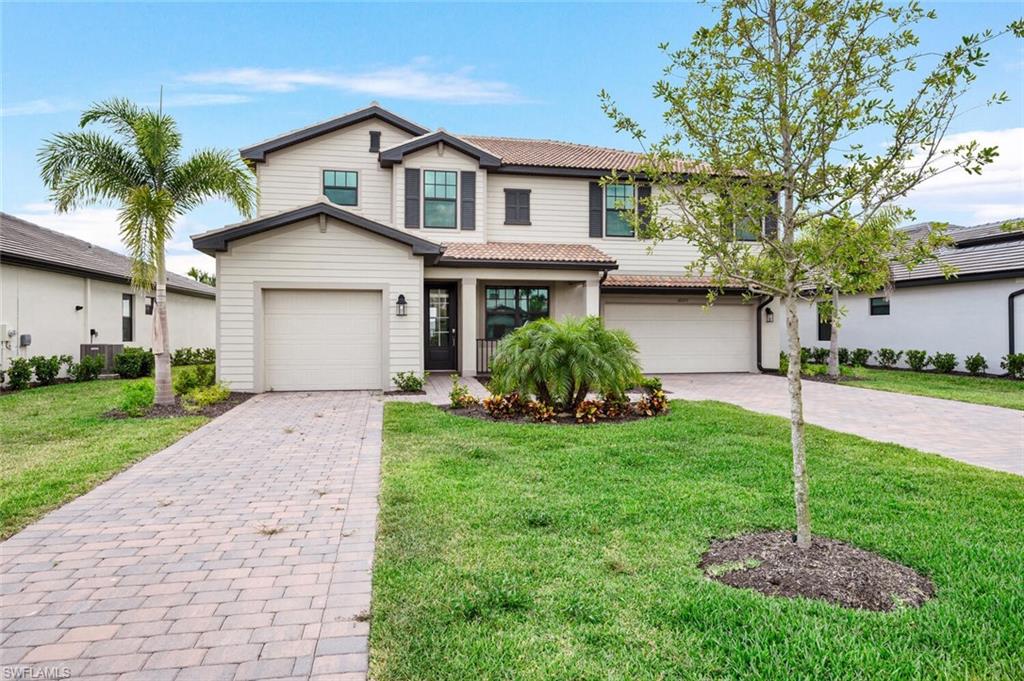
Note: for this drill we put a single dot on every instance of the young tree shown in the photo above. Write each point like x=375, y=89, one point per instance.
x=141, y=171
x=784, y=103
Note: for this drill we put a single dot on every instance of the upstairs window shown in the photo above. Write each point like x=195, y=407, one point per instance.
x=618, y=199
x=127, y=317
x=747, y=229
x=341, y=187
x=517, y=206
x=879, y=306
x=439, y=195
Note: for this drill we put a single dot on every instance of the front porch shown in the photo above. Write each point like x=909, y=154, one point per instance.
x=468, y=311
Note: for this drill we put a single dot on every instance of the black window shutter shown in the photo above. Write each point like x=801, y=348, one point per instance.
x=468, y=199
x=824, y=327
x=771, y=221
x=523, y=207
x=596, y=211
x=412, y=198
x=374, y=140
x=517, y=206
x=643, y=194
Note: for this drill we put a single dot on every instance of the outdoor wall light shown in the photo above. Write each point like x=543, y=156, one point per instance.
x=401, y=308
x=769, y=316
x=79, y=308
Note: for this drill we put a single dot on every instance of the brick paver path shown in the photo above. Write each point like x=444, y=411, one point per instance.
x=243, y=551
x=991, y=437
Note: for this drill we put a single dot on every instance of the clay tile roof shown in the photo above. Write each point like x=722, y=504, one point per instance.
x=28, y=243
x=525, y=253
x=556, y=154
x=666, y=281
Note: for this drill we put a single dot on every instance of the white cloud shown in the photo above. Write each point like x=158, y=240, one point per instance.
x=418, y=79
x=996, y=194
x=35, y=107
x=99, y=226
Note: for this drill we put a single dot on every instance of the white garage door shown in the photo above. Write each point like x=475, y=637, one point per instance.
x=684, y=338
x=322, y=340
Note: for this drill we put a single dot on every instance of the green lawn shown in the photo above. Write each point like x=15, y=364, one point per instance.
x=997, y=392
x=542, y=552
x=56, y=446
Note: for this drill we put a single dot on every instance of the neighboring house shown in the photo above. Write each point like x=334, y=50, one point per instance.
x=981, y=309
x=65, y=293
x=380, y=246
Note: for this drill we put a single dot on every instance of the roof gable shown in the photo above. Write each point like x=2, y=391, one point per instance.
x=218, y=240
x=258, y=152
x=389, y=157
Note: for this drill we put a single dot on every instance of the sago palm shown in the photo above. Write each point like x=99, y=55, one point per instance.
x=560, y=362
x=139, y=169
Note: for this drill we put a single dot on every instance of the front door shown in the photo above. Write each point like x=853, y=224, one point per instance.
x=441, y=326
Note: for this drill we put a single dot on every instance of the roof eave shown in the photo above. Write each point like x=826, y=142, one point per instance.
x=389, y=157
x=527, y=264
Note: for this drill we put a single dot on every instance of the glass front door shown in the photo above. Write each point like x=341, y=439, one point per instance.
x=441, y=327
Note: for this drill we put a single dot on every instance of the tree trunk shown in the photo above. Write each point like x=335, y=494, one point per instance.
x=796, y=426
x=161, y=342
x=833, y=341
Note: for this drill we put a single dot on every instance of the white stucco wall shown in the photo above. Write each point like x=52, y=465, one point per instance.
x=42, y=303
x=962, y=318
x=341, y=257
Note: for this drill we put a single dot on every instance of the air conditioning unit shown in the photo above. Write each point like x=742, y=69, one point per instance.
x=105, y=350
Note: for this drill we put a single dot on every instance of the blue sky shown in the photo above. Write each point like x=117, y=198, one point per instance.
x=234, y=74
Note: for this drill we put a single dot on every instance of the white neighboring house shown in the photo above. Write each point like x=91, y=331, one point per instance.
x=979, y=310
x=380, y=246
x=59, y=294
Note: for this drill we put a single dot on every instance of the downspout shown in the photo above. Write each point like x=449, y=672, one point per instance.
x=760, y=307
x=1010, y=315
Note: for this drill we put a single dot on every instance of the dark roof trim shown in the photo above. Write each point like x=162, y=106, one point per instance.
x=526, y=264
x=963, y=278
x=990, y=239
x=258, y=152
x=218, y=240
x=554, y=171
x=673, y=290
x=24, y=261
x=390, y=157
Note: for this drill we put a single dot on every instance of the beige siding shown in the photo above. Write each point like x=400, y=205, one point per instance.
x=446, y=159
x=292, y=177
x=43, y=303
x=559, y=213
x=341, y=257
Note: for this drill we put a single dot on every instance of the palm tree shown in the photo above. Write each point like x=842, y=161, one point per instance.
x=140, y=170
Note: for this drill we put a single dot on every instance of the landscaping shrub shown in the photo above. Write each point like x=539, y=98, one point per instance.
x=975, y=364
x=88, y=369
x=652, y=405
x=819, y=355
x=558, y=363
x=650, y=384
x=137, y=397
x=19, y=373
x=1013, y=364
x=410, y=381
x=503, y=406
x=134, y=363
x=47, y=368
x=888, y=358
x=917, y=359
x=944, y=362
x=204, y=396
x=193, y=378
x=844, y=356
x=860, y=357
x=191, y=356
x=540, y=412
x=459, y=396
x=805, y=356
x=784, y=362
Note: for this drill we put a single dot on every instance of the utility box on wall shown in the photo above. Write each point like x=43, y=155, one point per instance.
x=25, y=340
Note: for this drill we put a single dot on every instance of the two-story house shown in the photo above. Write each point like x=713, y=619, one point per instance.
x=381, y=247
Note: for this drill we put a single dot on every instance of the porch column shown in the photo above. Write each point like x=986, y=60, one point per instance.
x=467, y=326
x=592, y=297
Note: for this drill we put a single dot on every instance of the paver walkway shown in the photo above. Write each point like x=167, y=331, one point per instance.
x=991, y=437
x=243, y=551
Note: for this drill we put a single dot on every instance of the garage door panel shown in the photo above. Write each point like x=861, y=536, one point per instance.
x=685, y=338
x=322, y=340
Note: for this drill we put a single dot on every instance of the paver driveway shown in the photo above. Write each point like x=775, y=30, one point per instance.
x=243, y=551
x=992, y=437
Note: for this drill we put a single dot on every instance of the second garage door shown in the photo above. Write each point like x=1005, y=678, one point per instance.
x=684, y=338
x=322, y=340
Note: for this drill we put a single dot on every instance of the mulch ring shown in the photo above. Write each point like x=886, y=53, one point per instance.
x=477, y=412
x=830, y=570
x=392, y=393
x=162, y=411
